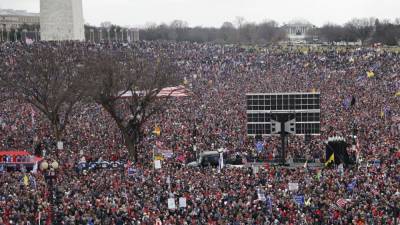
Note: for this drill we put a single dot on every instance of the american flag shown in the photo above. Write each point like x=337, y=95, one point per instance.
x=179, y=91
x=341, y=202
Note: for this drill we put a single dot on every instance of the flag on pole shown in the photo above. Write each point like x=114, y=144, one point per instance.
x=370, y=74
x=157, y=130
x=352, y=185
x=128, y=166
x=319, y=174
x=269, y=202
x=259, y=146
x=32, y=180
x=26, y=180
x=35, y=167
x=330, y=160
x=299, y=199
x=308, y=202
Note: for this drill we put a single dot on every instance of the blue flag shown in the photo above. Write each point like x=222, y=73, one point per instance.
x=1, y=168
x=259, y=146
x=347, y=103
x=352, y=185
x=269, y=202
x=131, y=171
x=299, y=199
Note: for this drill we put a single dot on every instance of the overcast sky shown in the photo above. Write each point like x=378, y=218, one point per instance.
x=215, y=12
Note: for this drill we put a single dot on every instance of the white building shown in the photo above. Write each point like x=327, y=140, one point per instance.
x=13, y=19
x=61, y=20
x=297, y=30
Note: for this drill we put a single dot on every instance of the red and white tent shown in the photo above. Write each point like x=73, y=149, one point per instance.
x=178, y=91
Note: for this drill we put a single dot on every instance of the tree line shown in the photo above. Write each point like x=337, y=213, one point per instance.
x=366, y=30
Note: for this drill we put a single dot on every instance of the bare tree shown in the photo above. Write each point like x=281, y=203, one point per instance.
x=361, y=28
x=46, y=78
x=126, y=86
x=240, y=21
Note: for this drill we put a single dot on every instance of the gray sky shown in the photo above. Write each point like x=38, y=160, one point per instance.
x=215, y=12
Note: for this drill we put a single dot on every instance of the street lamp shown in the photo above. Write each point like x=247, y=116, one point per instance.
x=49, y=170
x=50, y=174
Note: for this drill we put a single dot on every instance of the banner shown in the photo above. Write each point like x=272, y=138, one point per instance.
x=157, y=164
x=261, y=195
x=293, y=186
x=352, y=185
x=60, y=145
x=259, y=146
x=171, y=203
x=299, y=199
x=131, y=171
x=182, y=202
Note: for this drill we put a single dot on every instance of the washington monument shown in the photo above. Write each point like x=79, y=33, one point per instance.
x=61, y=20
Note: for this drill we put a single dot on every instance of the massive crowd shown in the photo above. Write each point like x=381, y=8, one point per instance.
x=215, y=116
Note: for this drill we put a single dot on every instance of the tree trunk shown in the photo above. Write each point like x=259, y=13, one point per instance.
x=130, y=145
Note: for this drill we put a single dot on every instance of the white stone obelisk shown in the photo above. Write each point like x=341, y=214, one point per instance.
x=61, y=20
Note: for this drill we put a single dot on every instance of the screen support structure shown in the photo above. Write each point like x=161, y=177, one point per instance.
x=286, y=126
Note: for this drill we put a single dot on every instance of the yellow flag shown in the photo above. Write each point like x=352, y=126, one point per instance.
x=370, y=74
x=331, y=159
x=397, y=94
x=26, y=180
x=308, y=202
x=158, y=157
x=382, y=114
x=157, y=130
x=313, y=90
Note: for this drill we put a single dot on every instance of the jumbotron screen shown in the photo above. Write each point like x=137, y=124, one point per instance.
x=262, y=107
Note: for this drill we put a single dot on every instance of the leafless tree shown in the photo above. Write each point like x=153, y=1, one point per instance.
x=126, y=86
x=361, y=28
x=46, y=78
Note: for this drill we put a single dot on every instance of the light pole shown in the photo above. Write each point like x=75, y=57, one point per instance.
x=49, y=171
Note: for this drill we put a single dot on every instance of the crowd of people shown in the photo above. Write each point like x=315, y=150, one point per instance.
x=214, y=116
